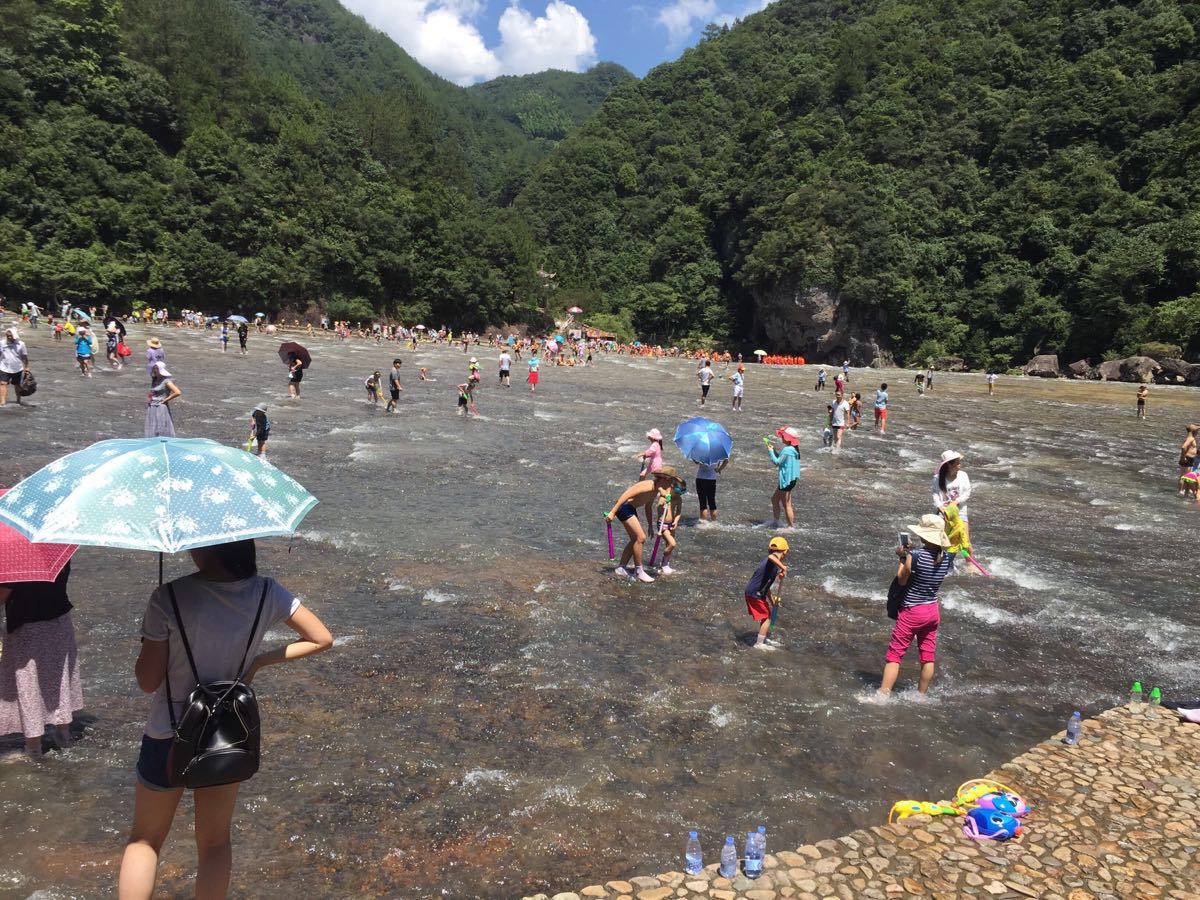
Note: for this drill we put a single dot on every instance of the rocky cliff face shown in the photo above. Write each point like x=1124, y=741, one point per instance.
x=814, y=323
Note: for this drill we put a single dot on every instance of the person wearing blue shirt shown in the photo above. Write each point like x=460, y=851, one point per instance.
x=83, y=351
x=881, y=402
x=787, y=460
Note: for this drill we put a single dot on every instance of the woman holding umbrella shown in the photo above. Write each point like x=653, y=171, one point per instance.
x=217, y=608
x=39, y=669
x=297, y=359
x=708, y=445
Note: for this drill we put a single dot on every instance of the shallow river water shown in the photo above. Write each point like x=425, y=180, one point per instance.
x=501, y=715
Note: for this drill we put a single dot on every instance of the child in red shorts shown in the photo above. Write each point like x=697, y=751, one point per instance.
x=759, y=599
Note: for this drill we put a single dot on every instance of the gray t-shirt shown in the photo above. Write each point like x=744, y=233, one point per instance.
x=839, y=413
x=505, y=362
x=394, y=378
x=217, y=617
x=12, y=355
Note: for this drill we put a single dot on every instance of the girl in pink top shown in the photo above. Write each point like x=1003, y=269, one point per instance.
x=652, y=455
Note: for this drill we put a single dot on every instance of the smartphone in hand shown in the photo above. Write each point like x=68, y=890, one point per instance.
x=903, y=538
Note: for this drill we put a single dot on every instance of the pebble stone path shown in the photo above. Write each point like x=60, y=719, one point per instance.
x=1116, y=816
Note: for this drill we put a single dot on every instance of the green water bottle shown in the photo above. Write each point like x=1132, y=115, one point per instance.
x=1155, y=700
x=1135, y=697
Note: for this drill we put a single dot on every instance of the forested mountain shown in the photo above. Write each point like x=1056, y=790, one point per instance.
x=230, y=154
x=982, y=177
x=551, y=104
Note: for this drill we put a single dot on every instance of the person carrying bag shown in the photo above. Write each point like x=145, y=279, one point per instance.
x=194, y=638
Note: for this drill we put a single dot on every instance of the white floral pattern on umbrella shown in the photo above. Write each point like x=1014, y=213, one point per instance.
x=164, y=494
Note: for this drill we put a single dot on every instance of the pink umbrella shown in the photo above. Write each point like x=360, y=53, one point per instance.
x=21, y=560
x=574, y=310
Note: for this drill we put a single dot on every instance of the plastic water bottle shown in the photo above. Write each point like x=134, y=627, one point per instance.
x=1074, y=726
x=1155, y=701
x=1135, y=697
x=729, y=859
x=762, y=841
x=693, y=856
x=754, y=856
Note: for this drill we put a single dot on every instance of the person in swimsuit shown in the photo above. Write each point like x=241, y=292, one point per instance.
x=295, y=375
x=1189, y=458
x=260, y=428
x=1142, y=393
x=243, y=332
x=625, y=510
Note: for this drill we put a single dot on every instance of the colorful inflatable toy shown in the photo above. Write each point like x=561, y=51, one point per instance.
x=1004, y=802
x=989, y=825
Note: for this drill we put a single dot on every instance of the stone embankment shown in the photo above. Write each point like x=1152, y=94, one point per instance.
x=1116, y=816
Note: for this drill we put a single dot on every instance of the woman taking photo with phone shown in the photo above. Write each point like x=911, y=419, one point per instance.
x=224, y=609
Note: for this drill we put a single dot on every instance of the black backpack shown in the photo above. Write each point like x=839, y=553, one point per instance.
x=217, y=735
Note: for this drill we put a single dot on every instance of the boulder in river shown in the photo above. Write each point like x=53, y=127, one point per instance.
x=1110, y=370
x=1139, y=369
x=1044, y=366
x=1081, y=368
x=950, y=364
x=1177, y=371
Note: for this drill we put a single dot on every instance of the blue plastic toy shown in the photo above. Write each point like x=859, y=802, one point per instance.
x=989, y=825
x=1004, y=802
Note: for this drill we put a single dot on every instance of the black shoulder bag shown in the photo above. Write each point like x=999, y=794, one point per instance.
x=897, y=594
x=217, y=735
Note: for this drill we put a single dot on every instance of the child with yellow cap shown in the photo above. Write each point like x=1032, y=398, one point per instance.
x=760, y=601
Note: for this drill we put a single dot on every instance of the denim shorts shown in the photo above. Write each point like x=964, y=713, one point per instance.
x=152, y=763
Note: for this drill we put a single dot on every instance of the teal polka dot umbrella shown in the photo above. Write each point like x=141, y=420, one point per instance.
x=163, y=494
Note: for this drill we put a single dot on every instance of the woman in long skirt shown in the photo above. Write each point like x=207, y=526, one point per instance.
x=39, y=671
x=158, y=410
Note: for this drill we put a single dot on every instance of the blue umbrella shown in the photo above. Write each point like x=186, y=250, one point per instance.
x=163, y=494
x=237, y=319
x=559, y=339
x=81, y=314
x=703, y=441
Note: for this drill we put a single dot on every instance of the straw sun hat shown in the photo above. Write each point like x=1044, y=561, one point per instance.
x=154, y=343
x=667, y=472
x=931, y=528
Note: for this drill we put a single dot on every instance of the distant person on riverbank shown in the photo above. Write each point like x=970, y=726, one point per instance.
x=992, y=378
x=855, y=410
x=243, y=333
x=225, y=609
x=394, y=385
x=224, y=336
x=846, y=371
x=929, y=379
x=820, y=386
x=84, y=351
x=787, y=461
x=881, y=402
x=920, y=575
x=260, y=429
x=639, y=496
x=1142, y=393
x=761, y=602
x=505, y=368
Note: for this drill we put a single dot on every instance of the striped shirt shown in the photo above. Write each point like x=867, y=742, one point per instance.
x=927, y=576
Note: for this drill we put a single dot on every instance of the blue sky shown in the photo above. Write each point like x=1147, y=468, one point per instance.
x=474, y=40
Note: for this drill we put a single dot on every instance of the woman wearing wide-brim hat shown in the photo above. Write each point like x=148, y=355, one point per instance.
x=951, y=484
x=787, y=460
x=921, y=572
x=158, y=411
x=154, y=354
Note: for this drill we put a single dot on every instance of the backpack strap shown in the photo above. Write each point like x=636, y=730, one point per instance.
x=188, y=647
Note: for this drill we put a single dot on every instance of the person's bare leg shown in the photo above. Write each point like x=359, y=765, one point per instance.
x=3, y=392
x=891, y=671
x=787, y=508
x=214, y=849
x=33, y=746
x=926, y=677
x=153, y=813
x=776, y=505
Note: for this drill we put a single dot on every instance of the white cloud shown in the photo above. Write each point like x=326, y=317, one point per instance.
x=678, y=18
x=442, y=35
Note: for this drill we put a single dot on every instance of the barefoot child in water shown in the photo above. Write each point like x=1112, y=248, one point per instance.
x=625, y=510
x=466, y=397
x=260, y=428
x=760, y=602
x=670, y=507
x=372, y=385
